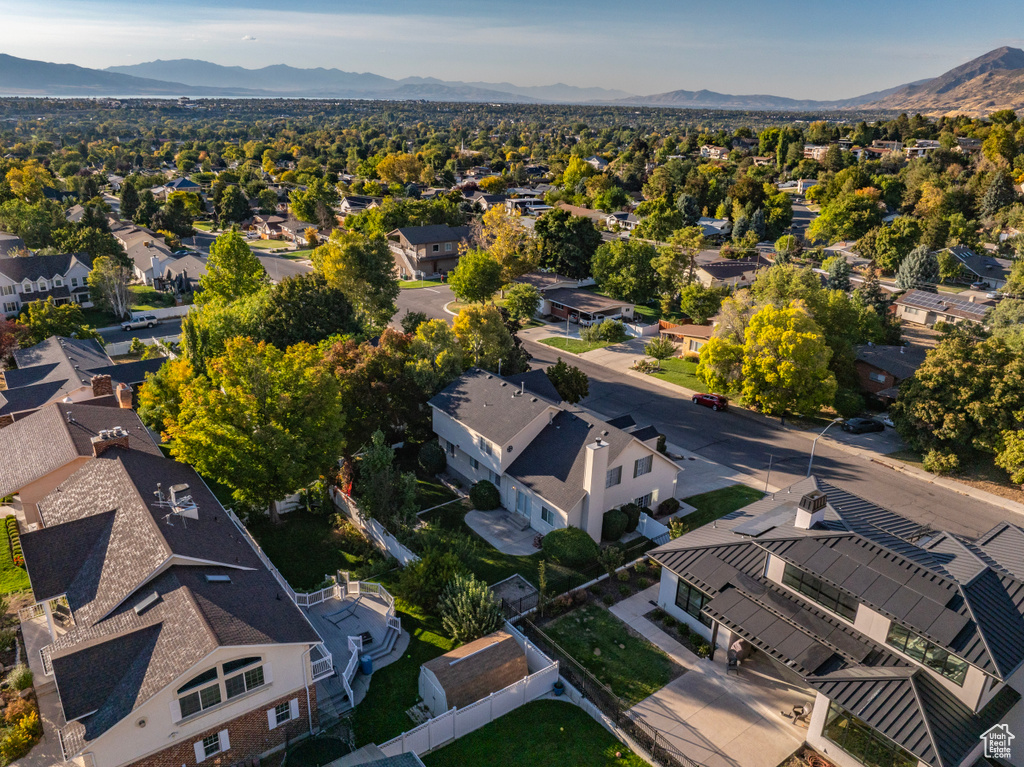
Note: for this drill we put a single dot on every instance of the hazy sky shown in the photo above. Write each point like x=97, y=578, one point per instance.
x=798, y=48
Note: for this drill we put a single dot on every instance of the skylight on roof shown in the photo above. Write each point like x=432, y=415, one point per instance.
x=218, y=579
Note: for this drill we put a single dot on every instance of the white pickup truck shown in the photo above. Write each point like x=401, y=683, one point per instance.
x=143, y=321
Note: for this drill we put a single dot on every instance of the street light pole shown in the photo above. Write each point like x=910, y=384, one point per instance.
x=815, y=442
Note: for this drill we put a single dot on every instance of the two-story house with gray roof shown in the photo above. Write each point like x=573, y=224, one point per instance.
x=555, y=464
x=423, y=251
x=167, y=638
x=910, y=641
x=62, y=277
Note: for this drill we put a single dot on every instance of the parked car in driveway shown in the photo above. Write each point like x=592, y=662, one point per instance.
x=862, y=425
x=136, y=323
x=713, y=401
x=887, y=420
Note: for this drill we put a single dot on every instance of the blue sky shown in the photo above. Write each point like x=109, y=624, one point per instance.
x=797, y=48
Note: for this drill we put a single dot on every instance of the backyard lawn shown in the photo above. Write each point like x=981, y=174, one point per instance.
x=717, y=503
x=410, y=284
x=12, y=577
x=630, y=665
x=541, y=732
x=144, y=297
x=573, y=345
x=681, y=373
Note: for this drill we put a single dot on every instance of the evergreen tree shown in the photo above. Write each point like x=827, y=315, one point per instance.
x=870, y=293
x=918, y=270
x=129, y=200
x=839, y=270
x=757, y=224
x=689, y=206
x=999, y=194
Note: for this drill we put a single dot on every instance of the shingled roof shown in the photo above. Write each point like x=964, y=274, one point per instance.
x=105, y=534
x=45, y=267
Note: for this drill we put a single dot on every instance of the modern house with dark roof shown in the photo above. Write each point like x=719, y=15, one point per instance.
x=911, y=640
x=729, y=271
x=882, y=368
x=994, y=272
x=62, y=277
x=423, y=251
x=65, y=370
x=583, y=306
x=168, y=639
x=554, y=464
x=923, y=308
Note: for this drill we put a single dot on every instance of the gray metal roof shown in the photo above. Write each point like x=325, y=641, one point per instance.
x=914, y=711
x=489, y=405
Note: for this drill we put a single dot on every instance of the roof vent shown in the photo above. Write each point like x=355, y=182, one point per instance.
x=146, y=603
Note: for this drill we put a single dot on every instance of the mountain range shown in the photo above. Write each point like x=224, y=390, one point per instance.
x=990, y=82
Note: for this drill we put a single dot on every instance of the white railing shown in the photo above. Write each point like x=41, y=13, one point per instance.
x=322, y=667
x=652, y=529
x=394, y=622
x=372, y=529
x=30, y=613
x=355, y=646
x=308, y=600
x=44, y=657
x=458, y=722
x=263, y=557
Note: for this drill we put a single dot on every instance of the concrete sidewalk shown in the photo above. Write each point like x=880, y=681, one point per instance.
x=715, y=719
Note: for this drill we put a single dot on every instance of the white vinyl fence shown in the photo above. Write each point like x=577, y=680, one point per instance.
x=373, y=529
x=461, y=721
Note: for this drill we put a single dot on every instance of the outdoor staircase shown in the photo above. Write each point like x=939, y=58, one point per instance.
x=386, y=646
x=333, y=701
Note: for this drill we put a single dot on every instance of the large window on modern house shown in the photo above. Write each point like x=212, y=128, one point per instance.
x=199, y=693
x=817, y=590
x=613, y=477
x=643, y=465
x=690, y=600
x=860, y=741
x=928, y=653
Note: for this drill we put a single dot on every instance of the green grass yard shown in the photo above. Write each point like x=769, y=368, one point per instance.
x=717, y=503
x=681, y=372
x=542, y=732
x=12, y=577
x=413, y=284
x=145, y=298
x=573, y=345
x=630, y=665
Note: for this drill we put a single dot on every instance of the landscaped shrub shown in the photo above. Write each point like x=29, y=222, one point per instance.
x=668, y=506
x=7, y=639
x=31, y=725
x=590, y=334
x=14, y=744
x=622, y=575
x=17, y=710
x=469, y=609
x=643, y=583
x=14, y=541
x=703, y=650
x=632, y=516
x=608, y=599
x=432, y=458
x=625, y=590
x=940, y=462
x=20, y=678
x=422, y=582
x=614, y=525
x=484, y=496
x=613, y=331
x=570, y=546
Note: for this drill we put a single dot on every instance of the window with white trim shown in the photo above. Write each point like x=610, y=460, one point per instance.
x=283, y=712
x=495, y=478
x=211, y=745
x=26, y=286
x=58, y=282
x=42, y=285
x=199, y=693
x=877, y=377
x=448, y=247
x=484, y=445
x=474, y=463
x=7, y=290
x=644, y=501
x=74, y=282
x=547, y=515
x=219, y=684
x=11, y=306
x=643, y=466
x=613, y=477
x=242, y=683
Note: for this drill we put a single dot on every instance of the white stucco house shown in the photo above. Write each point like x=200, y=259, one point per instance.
x=555, y=464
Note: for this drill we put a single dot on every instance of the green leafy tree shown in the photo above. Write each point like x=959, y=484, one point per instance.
x=109, y=285
x=485, y=339
x=839, y=272
x=364, y=270
x=571, y=383
x=848, y=217
x=33, y=222
x=950, y=267
x=700, y=303
x=305, y=309
x=232, y=271
x=721, y=365
x=785, y=362
x=268, y=201
x=161, y=395
x=963, y=397
x=43, y=319
x=622, y=269
x=469, y=609
x=266, y=422
x=660, y=348
x=787, y=247
x=173, y=217
x=1011, y=454
x=676, y=261
x=148, y=206
x=437, y=355
x=659, y=219
x=522, y=301
x=567, y=243
x=385, y=492
x=316, y=203
x=689, y=206
x=998, y=195
x=411, y=321
x=920, y=269
x=476, y=278
x=233, y=206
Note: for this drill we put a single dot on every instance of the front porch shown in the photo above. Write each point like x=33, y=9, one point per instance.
x=508, y=532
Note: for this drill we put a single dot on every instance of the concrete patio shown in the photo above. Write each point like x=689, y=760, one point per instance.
x=503, y=529
x=714, y=718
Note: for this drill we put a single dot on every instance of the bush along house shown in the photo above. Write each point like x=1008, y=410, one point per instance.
x=554, y=464
x=168, y=640
x=909, y=640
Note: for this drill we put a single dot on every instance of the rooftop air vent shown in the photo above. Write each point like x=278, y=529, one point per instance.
x=146, y=603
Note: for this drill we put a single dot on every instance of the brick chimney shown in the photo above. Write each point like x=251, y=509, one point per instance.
x=124, y=396
x=108, y=438
x=102, y=386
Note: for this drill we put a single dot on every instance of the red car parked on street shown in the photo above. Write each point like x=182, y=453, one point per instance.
x=713, y=401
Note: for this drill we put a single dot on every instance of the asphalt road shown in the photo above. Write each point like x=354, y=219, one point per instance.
x=430, y=301
x=168, y=327
x=746, y=444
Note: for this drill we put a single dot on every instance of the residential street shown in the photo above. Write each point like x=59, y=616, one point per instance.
x=430, y=301
x=168, y=327
x=745, y=444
